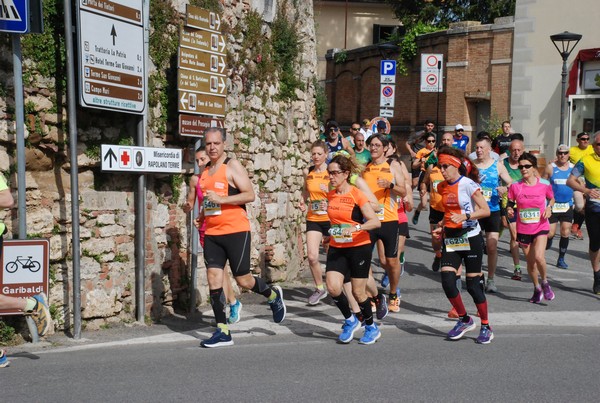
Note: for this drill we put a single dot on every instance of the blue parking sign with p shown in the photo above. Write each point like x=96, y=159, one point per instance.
x=388, y=67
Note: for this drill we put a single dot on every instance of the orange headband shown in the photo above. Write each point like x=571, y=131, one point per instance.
x=449, y=160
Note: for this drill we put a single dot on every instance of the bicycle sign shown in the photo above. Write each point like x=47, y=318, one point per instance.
x=24, y=268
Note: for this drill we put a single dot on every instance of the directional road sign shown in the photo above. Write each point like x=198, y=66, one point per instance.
x=14, y=16
x=112, y=58
x=201, y=82
x=200, y=18
x=200, y=39
x=24, y=269
x=386, y=113
x=194, y=125
x=201, y=61
x=202, y=104
x=140, y=159
x=432, y=72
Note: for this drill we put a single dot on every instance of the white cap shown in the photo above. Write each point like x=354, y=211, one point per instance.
x=459, y=127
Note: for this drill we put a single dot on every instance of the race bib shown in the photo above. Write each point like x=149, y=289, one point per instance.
x=211, y=209
x=487, y=193
x=560, y=207
x=336, y=232
x=315, y=207
x=381, y=212
x=529, y=215
x=435, y=185
x=457, y=244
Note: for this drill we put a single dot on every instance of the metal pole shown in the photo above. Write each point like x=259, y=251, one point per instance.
x=194, y=241
x=563, y=100
x=140, y=234
x=437, y=118
x=20, y=139
x=72, y=117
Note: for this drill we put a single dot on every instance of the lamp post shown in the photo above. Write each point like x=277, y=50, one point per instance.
x=565, y=43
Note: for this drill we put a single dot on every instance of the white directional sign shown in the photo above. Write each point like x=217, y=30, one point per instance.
x=112, y=58
x=432, y=66
x=388, y=94
x=140, y=159
x=24, y=269
x=388, y=71
x=386, y=113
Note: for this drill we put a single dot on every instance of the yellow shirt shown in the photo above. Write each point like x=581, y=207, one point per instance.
x=577, y=153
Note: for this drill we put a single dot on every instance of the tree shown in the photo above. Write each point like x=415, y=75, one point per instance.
x=443, y=12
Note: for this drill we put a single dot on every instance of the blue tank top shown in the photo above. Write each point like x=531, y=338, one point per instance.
x=333, y=149
x=562, y=193
x=489, y=182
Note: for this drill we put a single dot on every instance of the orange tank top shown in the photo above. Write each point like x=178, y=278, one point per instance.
x=317, y=186
x=222, y=219
x=435, y=198
x=344, y=211
x=382, y=171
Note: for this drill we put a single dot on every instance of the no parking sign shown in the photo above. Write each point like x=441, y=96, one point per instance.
x=432, y=72
x=388, y=93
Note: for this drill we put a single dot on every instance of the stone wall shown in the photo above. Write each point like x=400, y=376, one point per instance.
x=269, y=136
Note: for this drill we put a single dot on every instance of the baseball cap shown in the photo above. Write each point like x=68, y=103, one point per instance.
x=332, y=123
x=562, y=148
x=582, y=134
x=459, y=127
x=366, y=121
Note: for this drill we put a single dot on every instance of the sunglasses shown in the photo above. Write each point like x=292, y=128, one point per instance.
x=334, y=172
x=525, y=166
x=562, y=153
x=460, y=130
x=333, y=129
x=355, y=128
x=431, y=141
x=584, y=139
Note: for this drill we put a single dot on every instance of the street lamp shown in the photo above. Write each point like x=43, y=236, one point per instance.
x=564, y=43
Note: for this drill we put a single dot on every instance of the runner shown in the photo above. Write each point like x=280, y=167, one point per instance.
x=351, y=216
x=385, y=179
x=235, y=305
x=490, y=173
x=530, y=200
x=557, y=173
x=464, y=205
x=419, y=163
x=588, y=167
x=227, y=188
x=316, y=187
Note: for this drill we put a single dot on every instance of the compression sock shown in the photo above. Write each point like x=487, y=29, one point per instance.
x=342, y=303
x=367, y=312
x=261, y=287
x=563, y=245
x=217, y=301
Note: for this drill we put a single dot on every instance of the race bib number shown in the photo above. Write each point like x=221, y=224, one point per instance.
x=529, y=215
x=315, y=207
x=381, y=212
x=211, y=209
x=336, y=232
x=487, y=193
x=435, y=185
x=457, y=244
x=560, y=207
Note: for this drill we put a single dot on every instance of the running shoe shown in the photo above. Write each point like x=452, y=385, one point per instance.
x=436, y=263
x=371, y=335
x=452, y=314
x=415, y=219
x=394, y=305
x=547, y=291
x=234, y=312
x=485, y=335
x=40, y=314
x=381, y=310
x=385, y=280
x=278, y=305
x=348, y=328
x=537, y=295
x=461, y=328
x=218, y=339
x=491, y=286
x=596, y=287
x=561, y=264
x=576, y=232
x=317, y=296
x=3, y=360
x=516, y=275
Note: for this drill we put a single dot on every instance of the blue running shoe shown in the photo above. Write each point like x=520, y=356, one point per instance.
x=371, y=335
x=461, y=328
x=385, y=280
x=278, y=306
x=3, y=360
x=348, y=329
x=381, y=306
x=234, y=312
x=218, y=339
x=485, y=335
x=561, y=264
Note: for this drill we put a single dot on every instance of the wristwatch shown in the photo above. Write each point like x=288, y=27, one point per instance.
x=358, y=227
x=468, y=216
x=391, y=185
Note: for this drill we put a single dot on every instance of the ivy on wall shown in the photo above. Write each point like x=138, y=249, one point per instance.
x=408, y=43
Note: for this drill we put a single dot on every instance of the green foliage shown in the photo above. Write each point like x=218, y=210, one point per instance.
x=121, y=258
x=176, y=182
x=47, y=50
x=443, y=12
x=320, y=100
x=211, y=5
x=493, y=125
x=408, y=44
x=92, y=151
x=7, y=333
x=597, y=79
x=340, y=57
x=286, y=49
x=87, y=253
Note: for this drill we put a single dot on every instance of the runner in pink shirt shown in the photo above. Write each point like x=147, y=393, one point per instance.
x=531, y=200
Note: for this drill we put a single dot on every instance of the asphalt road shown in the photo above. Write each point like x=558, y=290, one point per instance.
x=546, y=352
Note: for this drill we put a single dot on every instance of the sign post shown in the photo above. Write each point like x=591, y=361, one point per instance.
x=432, y=72
x=388, y=88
